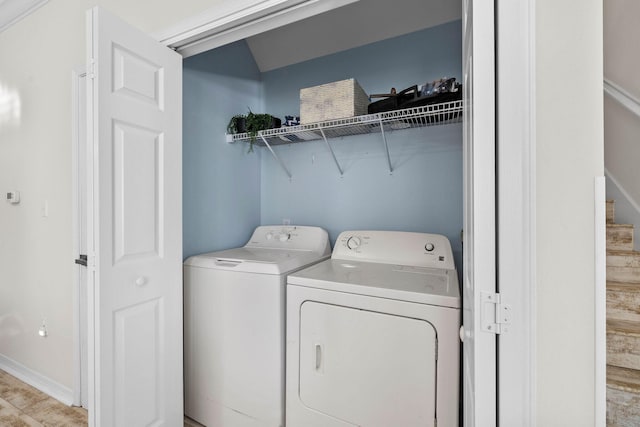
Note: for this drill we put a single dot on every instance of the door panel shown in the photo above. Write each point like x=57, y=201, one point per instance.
x=479, y=258
x=137, y=169
x=135, y=223
x=367, y=368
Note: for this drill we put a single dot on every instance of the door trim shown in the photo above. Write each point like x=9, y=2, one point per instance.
x=516, y=204
x=229, y=22
x=77, y=75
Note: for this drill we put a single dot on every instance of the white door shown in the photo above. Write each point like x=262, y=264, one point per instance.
x=479, y=270
x=135, y=227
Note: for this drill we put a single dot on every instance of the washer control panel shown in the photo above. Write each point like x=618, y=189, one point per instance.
x=289, y=237
x=395, y=247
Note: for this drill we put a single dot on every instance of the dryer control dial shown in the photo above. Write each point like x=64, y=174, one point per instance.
x=354, y=243
x=429, y=247
x=269, y=235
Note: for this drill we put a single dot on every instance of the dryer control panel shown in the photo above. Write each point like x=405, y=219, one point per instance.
x=395, y=247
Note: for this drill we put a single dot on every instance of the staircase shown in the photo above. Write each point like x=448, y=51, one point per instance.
x=623, y=324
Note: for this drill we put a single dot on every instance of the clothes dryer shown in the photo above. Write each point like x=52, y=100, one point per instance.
x=234, y=320
x=373, y=334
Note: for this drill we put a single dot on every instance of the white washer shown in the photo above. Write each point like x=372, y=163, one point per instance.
x=373, y=334
x=234, y=324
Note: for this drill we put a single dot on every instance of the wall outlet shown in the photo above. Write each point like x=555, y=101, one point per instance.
x=286, y=221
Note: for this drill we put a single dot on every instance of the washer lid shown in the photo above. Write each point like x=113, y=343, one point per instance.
x=256, y=260
x=434, y=286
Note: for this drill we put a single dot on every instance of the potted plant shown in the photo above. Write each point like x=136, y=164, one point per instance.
x=237, y=124
x=252, y=123
x=257, y=122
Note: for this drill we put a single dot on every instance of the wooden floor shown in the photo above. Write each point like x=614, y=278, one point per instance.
x=24, y=406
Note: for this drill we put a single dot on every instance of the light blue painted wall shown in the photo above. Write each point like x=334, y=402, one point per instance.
x=425, y=191
x=227, y=192
x=221, y=195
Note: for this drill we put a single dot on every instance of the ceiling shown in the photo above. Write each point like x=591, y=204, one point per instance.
x=357, y=24
x=11, y=11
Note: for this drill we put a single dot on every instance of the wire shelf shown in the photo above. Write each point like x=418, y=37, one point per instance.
x=416, y=117
x=428, y=115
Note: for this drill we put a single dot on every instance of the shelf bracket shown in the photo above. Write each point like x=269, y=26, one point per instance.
x=275, y=155
x=326, y=142
x=386, y=146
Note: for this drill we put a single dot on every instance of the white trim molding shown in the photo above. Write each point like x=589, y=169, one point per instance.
x=12, y=11
x=625, y=99
x=233, y=21
x=600, y=298
x=516, y=168
x=37, y=380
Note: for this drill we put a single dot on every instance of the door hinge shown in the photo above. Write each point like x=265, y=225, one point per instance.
x=91, y=261
x=495, y=314
x=91, y=69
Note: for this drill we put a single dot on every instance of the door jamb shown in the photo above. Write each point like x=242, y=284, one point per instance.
x=516, y=203
x=77, y=75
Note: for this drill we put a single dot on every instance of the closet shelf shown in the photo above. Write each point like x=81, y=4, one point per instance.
x=416, y=117
x=428, y=115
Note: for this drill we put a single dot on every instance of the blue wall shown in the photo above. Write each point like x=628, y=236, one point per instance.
x=227, y=192
x=221, y=195
x=423, y=194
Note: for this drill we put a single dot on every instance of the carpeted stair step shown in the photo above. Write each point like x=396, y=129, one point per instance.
x=623, y=266
x=619, y=237
x=611, y=217
x=623, y=301
x=623, y=397
x=623, y=344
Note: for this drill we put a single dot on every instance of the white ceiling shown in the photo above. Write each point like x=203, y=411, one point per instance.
x=11, y=11
x=357, y=24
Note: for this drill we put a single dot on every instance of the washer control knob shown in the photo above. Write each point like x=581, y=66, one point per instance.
x=353, y=242
x=283, y=237
x=429, y=247
x=269, y=236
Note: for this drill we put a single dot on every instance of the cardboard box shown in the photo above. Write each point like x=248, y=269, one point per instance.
x=336, y=100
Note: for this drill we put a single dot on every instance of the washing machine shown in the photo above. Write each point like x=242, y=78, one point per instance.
x=373, y=334
x=234, y=326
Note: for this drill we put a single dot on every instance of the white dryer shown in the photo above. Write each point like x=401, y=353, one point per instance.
x=373, y=334
x=234, y=325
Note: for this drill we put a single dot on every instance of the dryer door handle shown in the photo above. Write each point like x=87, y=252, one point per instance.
x=319, y=367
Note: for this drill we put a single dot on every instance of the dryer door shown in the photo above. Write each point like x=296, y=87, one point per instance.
x=367, y=368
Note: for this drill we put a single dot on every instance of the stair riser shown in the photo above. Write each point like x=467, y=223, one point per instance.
x=620, y=238
x=618, y=259
x=623, y=304
x=623, y=408
x=610, y=212
x=623, y=274
x=623, y=350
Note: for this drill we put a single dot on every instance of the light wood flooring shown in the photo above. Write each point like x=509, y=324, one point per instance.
x=24, y=406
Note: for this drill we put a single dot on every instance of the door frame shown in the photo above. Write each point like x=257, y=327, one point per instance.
x=515, y=115
x=516, y=208
x=77, y=137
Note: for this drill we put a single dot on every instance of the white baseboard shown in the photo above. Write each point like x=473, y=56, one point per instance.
x=37, y=380
x=626, y=195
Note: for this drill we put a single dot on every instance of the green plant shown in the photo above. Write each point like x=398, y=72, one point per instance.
x=237, y=124
x=257, y=122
